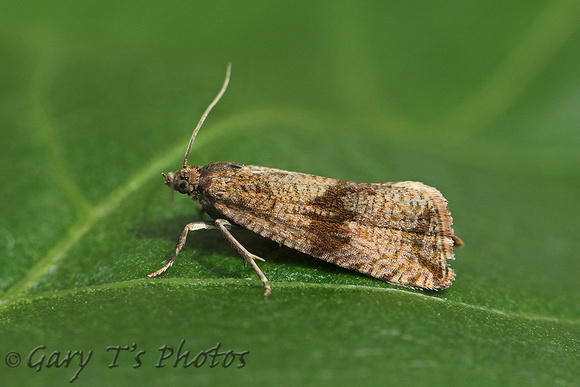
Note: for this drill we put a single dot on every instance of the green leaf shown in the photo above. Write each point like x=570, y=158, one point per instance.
x=98, y=98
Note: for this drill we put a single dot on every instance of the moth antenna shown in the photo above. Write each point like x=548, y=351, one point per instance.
x=203, y=117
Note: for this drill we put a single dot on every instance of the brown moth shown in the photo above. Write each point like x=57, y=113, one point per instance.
x=397, y=232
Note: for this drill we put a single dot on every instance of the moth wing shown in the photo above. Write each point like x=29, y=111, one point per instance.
x=398, y=232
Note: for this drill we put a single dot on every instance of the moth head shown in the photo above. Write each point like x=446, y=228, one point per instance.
x=184, y=181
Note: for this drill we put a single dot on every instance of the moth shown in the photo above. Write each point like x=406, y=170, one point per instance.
x=397, y=232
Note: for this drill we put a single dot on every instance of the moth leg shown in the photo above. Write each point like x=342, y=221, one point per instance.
x=223, y=225
x=193, y=226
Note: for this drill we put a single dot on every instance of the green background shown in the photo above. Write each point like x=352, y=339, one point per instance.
x=479, y=99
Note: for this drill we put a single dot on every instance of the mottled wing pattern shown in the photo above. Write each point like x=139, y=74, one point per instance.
x=398, y=232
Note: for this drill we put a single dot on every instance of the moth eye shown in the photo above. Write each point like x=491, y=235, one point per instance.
x=235, y=166
x=183, y=185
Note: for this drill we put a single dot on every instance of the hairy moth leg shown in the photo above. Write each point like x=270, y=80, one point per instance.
x=223, y=225
x=193, y=226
